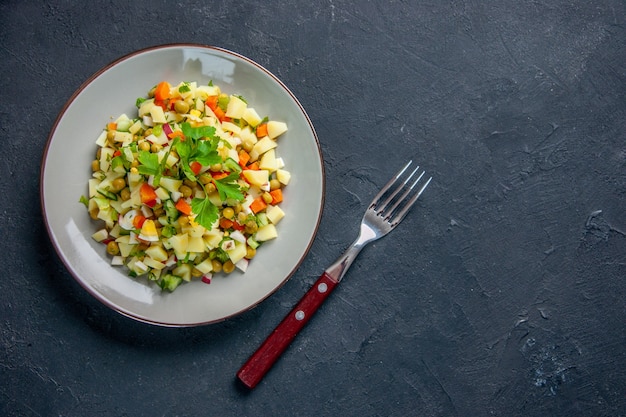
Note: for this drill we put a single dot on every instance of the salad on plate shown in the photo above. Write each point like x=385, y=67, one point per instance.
x=189, y=187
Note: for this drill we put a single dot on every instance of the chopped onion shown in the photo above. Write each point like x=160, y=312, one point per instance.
x=242, y=264
x=126, y=221
x=238, y=236
x=146, y=211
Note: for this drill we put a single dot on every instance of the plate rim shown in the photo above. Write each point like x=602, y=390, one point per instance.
x=44, y=159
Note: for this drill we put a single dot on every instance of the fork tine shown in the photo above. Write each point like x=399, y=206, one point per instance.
x=383, y=206
x=390, y=212
x=387, y=186
x=403, y=212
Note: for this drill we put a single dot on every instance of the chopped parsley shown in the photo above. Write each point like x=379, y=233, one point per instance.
x=184, y=88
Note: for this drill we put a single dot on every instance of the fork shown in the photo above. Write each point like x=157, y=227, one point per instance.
x=384, y=213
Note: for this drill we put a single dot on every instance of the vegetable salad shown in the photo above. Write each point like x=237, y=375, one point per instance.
x=189, y=187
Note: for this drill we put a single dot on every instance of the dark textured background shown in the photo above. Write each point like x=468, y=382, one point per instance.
x=501, y=294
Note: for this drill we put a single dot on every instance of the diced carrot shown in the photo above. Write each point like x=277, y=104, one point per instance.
x=211, y=101
x=261, y=130
x=112, y=126
x=117, y=153
x=148, y=195
x=219, y=175
x=173, y=101
x=219, y=113
x=161, y=104
x=176, y=133
x=162, y=91
x=258, y=204
x=244, y=157
x=195, y=167
x=138, y=221
x=226, y=223
x=277, y=196
x=183, y=206
x=254, y=166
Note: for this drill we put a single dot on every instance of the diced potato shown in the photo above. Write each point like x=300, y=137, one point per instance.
x=159, y=140
x=152, y=263
x=100, y=235
x=204, y=91
x=170, y=184
x=134, y=179
x=283, y=176
x=183, y=271
x=93, y=187
x=213, y=239
x=237, y=253
x=162, y=194
x=205, y=266
x=106, y=154
x=268, y=161
x=125, y=249
x=266, y=232
x=236, y=108
x=193, y=230
x=275, y=129
x=264, y=145
x=274, y=214
x=144, y=108
x=116, y=231
x=251, y=117
x=179, y=244
x=196, y=244
x=256, y=177
x=123, y=137
x=231, y=127
x=138, y=266
x=102, y=139
x=157, y=253
x=122, y=118
x=135, y=127
x=157, y=114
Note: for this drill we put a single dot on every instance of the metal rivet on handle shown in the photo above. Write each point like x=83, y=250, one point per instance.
x=322, y=287
x=299, y=315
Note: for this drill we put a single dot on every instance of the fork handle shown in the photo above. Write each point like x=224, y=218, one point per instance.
x=262, y=360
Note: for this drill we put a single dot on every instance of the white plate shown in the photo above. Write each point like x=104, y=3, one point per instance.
x=66, y=167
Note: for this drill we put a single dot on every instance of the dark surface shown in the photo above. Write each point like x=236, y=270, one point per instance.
x=501, y=294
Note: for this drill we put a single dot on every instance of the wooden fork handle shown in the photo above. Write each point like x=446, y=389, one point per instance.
x=262, y=360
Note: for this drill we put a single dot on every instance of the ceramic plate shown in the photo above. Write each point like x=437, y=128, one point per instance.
x=66, y=167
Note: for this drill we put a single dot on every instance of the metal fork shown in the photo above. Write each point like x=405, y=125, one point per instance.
x=384, y=213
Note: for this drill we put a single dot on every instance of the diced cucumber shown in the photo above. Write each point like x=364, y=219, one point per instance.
x=169, y=282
